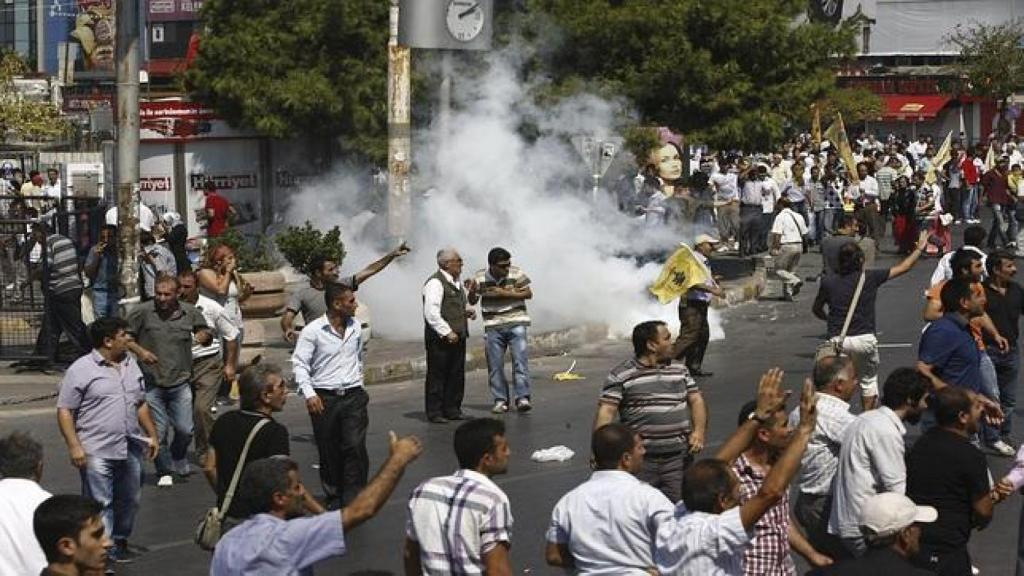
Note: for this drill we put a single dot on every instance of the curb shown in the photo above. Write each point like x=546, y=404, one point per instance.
x=538, y=345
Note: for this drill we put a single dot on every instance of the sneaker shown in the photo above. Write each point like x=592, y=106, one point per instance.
x=165, y=481
x=182, y=468
x=523, y=405
x=123, y=554
x=1002, y=448
x=500, y=407
x=797, y=287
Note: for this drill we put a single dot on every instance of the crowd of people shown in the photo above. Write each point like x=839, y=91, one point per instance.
x=841, y=489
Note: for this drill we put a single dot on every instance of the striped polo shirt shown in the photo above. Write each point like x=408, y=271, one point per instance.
x=653, y=402
x=64, y=271
x=503, y=312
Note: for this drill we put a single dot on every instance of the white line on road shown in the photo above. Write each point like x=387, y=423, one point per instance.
x=897, y=345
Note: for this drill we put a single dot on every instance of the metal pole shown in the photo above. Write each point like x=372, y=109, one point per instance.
x=399, y=132
x=127, y=185
x=40, y=36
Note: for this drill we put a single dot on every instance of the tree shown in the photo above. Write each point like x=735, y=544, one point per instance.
x=992, y=61
x=731, y=73
x=289, y=68
x=21, y=119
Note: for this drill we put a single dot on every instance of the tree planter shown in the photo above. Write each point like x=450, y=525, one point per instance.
x=268, y=297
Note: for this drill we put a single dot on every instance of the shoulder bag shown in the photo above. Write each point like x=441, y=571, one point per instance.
x=834, y=346
x=208, y=532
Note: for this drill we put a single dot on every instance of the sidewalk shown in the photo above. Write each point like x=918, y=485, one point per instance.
x=386, y=360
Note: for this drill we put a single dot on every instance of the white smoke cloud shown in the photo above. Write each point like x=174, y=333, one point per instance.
x=492, y=187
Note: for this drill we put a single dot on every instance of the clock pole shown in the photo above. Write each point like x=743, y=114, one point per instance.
x=399, y=132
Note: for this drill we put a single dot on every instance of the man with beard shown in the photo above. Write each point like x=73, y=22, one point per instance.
x=163, y=330
x=871, y=458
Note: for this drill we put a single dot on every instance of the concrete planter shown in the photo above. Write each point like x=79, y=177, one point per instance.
x=268, y=298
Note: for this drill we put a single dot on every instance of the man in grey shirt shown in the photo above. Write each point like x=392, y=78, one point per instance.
x=310, y=299
x=163, y=329
x=156, y=259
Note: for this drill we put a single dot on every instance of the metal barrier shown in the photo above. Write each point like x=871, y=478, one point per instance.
x=23, y=302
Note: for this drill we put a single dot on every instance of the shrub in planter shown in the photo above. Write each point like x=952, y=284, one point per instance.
x=254, y=255
x=300, y=245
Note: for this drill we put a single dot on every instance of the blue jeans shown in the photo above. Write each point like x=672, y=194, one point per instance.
x=171, y=408
x=990, y=388
x=497, y=340
x=1004, y=226
x=116, y=485
x=104, y=304
x=1007, y=368
x=969, y=203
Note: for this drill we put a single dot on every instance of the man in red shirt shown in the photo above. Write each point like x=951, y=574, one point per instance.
x=970, y=198
x=1004, y=224
x=217, y=210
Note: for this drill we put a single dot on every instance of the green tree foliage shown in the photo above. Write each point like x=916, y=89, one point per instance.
x=298, y=68
x=22, y=119
x=992, y=60
x=300, y=245
x=725, y=72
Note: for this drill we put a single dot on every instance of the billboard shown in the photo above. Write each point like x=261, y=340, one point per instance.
x=179, y=121
x=83, y=33
x=835, y=11
x=174, y=10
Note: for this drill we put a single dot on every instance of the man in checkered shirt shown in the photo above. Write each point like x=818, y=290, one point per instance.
x=774, y=534
x=462, y=523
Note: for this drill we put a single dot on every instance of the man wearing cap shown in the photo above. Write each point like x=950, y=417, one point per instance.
x=787, y=243
x=948, y=472
x=694, y=330
x=891, y=524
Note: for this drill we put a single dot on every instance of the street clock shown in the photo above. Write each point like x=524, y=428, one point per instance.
x=446, y=24
x=464, y=19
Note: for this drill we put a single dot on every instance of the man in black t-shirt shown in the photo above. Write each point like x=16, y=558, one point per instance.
x=1004, y=305
x=262, y=391
x=835, y=295
x=947, y=472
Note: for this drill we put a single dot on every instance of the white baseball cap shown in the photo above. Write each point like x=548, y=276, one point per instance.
x=887, y=513
x=704, y=238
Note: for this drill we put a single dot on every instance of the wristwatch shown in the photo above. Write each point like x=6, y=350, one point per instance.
x=760, y=420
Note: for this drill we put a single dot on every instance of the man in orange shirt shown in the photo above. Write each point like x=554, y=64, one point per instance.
x=967, y=264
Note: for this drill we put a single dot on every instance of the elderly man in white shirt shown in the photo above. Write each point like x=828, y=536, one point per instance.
x=21, y=467
x=446, y=312
x=328, y=367
x=607, y=524
x=710, y=531
x=787, y=243
x=871, y=460
x=836, y=382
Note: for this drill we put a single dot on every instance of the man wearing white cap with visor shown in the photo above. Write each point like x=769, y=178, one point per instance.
x=694, y=330
x=891, y=524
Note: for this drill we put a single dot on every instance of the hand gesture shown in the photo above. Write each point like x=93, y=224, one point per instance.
x=229, y=373
x=993, y=412
x=78, y=459
x=402, y=250
x=696, y=442
x=770, y=396
x=405, y=449
x=470, y=284
x=291, y=336
x=148, y=357
x=922, y=240
x=1002, y=490
x=471, y=313
x=1002, y=343
x=152, y=449
x=315, y=406
x=808, y=406
x=451, y=338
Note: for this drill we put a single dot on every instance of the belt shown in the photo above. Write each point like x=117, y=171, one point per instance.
x=800, y=243
x=338, y=393
x=750, y=206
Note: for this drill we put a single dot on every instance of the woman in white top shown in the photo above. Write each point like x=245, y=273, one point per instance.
x=220, y=281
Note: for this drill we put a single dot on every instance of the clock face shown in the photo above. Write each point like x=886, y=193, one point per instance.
x=465, y=19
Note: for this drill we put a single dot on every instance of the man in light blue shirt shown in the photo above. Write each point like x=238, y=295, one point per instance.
x=278, y=540
x=328, y=367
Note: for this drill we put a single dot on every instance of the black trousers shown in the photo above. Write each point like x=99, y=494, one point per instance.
x=446, y=375
x=750, y=230
x=340, y=433
x=694, y=333
x=63, y=315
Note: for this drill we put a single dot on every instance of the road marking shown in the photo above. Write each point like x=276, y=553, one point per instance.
x=25, y=412
x=897, y=345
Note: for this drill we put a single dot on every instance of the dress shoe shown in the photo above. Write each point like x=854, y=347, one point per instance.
x=458, y=416
x=438, y=420
x=697, y=372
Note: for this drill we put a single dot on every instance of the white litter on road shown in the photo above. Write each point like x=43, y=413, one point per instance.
x=553, y=454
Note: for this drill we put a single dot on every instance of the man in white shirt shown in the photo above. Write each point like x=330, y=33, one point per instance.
x=710, y=531
x=917, y=149
x=446, y=312
x=871, y=460
x=974, y=239
x=21, y=467
x=787, y=241
x=727, y=200
x=146, y=217
x=607, y=524
x=836, y=382
x=328, y=367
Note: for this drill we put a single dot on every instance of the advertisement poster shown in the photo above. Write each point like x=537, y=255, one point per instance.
x=174, y=10
x=233, y=167
x=85, y=31
x=156, y=177
x=177, y=121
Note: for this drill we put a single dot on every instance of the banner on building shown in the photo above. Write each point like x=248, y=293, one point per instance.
x=174, y=10
x=176, y=121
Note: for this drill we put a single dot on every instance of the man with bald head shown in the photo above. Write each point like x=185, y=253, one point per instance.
x=446, y=313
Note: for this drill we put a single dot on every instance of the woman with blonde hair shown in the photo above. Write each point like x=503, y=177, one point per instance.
x=220, y=281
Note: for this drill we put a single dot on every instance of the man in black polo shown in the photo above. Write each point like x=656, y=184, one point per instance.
x=163, y=329
x=446, y=312
x=1004, y=303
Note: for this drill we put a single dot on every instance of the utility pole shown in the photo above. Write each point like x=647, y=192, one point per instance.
x=399, y=132
x=127, y=166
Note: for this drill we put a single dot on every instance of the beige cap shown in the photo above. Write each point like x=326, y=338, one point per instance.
x=704, y=238
x=887, y=513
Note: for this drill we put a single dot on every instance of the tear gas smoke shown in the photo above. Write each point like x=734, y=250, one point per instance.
x=490, y=186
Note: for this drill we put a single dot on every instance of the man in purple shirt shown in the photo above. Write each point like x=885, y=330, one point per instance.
x=102, y=412
x=278, y=539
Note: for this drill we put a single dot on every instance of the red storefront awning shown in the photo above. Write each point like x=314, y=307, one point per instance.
x=913, y=107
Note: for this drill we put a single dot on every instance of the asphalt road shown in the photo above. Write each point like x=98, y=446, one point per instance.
x=758, y=335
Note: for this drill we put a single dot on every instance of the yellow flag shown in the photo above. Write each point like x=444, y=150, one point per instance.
x=940, y=159
x=816, y=125
x=836, y=134
x=990, y=158
x=682, y=271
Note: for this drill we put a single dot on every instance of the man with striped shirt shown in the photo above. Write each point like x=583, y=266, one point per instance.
x=503, y=291
x=462, y=523
x=656, y=398
x=63, y=281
